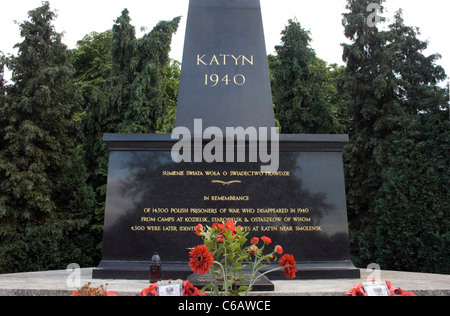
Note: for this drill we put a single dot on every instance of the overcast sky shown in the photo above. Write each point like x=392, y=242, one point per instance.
x=322, y=17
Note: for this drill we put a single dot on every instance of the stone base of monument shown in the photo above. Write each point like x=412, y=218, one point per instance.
x=61, y=283
x=153, y=205
x=307, y=271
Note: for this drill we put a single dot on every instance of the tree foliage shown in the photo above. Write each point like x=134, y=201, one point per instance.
x=172, y=73
x=397, y=183
x=91, y=61
x=300, y=86
x=2, y=77
x=125, y=90
x=41, y=139
x=2, y=97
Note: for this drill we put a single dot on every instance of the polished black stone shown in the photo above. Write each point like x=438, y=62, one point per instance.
x=152, y=208
x=225, y=75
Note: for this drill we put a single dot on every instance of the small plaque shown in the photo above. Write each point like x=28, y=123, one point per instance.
x=170, y=288
x=376, y=289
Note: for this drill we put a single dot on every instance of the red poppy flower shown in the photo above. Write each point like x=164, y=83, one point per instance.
x=278, y=250
x=220, y=227
x=198, y=229
x=288, y=262
x=230, y=225
x=220, y=238
x=397, y=291
x=357, y=290
x=255, y=240
x=201, y=260
x=266, y=240
x=152, y=290
x=253, y=249
x=191, y=290
x=87, y=290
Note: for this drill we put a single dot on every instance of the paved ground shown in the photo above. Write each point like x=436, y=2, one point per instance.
x=55, y=283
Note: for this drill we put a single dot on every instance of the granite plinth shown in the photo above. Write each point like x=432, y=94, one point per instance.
x=153, y=205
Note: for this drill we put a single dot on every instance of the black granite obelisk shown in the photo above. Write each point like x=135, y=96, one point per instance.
x=225, y=75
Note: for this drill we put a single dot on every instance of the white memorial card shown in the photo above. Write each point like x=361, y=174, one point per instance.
x=170, y=288
x=376, y=289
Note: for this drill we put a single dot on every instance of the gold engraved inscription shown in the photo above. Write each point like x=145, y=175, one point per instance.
x=215, y=208
x=214, y=79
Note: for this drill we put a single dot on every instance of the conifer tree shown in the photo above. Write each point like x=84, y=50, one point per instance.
x=369, y=86
x=172, y=73
x=148, y=89
x=132, y=98
x=2, y=77
x=396, y=205
x=38, y=115
x=40, y=140
x=300, y=85
x=417, y=72
x=92, y=62
x=2, y=97
x=415, y=185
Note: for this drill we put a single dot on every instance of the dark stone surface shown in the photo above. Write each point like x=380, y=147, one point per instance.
x=216, y=31
x=312, y=225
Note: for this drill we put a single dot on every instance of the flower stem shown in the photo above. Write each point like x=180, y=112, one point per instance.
x=254, y=280
x=224, y=278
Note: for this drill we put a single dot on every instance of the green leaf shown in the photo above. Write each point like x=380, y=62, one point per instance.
x=243, y=257
x=235, y=247
x=242, y=290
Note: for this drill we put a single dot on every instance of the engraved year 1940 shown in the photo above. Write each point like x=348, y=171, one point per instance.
x=212, y=80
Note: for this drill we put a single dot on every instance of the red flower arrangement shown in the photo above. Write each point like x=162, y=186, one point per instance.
x=87, y=290
x=188, y=290
x=224, y=246
x=358, y=290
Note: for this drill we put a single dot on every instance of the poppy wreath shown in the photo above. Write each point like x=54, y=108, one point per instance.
x=225, y=253
x=358, y=290
x=188, y=290
x=87, y=290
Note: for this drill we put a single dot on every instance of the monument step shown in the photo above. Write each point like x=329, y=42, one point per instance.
x=55, y=283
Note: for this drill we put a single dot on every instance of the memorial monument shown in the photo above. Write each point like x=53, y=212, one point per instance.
x=288, y=187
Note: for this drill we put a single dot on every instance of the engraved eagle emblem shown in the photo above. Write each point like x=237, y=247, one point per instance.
x=226, y=182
